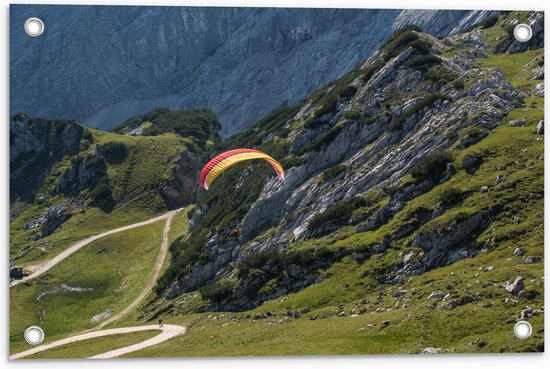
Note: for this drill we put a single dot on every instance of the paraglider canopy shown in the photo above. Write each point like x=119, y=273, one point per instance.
x=227, y=159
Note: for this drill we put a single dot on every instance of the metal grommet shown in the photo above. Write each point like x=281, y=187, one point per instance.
x=523, y=32
x=34, y=27
x=523, y=329
x=34, y=335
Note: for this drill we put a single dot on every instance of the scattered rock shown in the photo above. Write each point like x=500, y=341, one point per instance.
x=470, y=162
x=528, y=260
x=489, y=268
x=484, y=189
x=430, y=351
x=517, y=123
x=448, y=305
x=540, y=128
x=518, y=252
x=400, y=293
x=465, y=300
x=499, y=179
x=438, y=295
x=385, y=323
x=516, y=287
x=539, y=89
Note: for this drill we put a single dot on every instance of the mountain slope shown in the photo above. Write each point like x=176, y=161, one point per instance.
x=84, y=180
x=419, y=172
x=239, y=62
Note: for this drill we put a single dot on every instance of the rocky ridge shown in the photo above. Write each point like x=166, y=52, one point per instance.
x=194, y=57
x=352, y=149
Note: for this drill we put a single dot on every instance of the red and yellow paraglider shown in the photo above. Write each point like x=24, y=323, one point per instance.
x=227, y=159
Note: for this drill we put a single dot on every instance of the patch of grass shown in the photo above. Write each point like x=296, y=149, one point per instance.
x=512, y=66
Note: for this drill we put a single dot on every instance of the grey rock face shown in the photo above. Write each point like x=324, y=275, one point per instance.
x=241, y=62
x=178, y=190
x=35, y=145
x=82, y=173
x=50, y=220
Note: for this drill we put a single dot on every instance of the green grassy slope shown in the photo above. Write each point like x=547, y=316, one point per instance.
x=110, y=272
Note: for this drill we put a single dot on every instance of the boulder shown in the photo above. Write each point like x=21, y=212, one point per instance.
x=540, y=128
x=448, y=305
x=430, y=351
x=515, y=287
x=437, y=295
x=516, y=123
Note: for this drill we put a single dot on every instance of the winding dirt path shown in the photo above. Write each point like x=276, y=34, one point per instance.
x=168, y=331
x=47, y=265
x=154, y=274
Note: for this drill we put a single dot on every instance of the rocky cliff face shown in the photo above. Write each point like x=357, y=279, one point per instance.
x=371, y=165
x=242, y=63
x=35, y=146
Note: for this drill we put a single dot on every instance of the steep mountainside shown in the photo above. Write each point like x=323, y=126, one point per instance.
x=405, y=177
x=63, y=172
x=102, y=65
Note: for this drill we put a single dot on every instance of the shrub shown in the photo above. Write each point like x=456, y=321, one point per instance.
x=275, y=262
x=475, y=133
x=458, y=85
x=87, y=136
x=292, y=161
x=420, y=47
x=337, y=213
x=113, y=151
x=450, y=196
x=423, y=62
x=333, y=172
x=325, y=139
x=102, y=195
x=327, y=108
x=217, y=291
x=440, y=74
x=271, y=257
x=400, y=40
x=352, y=114
x=488, y=22
x=462, y=216
x=432, y=167
x=347, y=92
